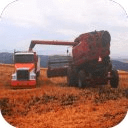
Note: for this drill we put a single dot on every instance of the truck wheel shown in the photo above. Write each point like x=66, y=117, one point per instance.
x=38, y=74
x=71, y=77
x=81, y=79
x=115, y=79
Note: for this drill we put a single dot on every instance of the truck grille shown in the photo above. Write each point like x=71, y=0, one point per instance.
x=22, y=75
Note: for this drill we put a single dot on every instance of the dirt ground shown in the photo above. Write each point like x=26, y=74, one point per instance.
x=55, y=105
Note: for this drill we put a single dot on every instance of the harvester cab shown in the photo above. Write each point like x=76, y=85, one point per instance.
x=27, y=68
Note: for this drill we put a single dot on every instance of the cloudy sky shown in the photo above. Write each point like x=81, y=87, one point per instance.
x=25, y=20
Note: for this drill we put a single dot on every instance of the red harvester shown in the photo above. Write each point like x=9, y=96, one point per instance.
x=90, y=62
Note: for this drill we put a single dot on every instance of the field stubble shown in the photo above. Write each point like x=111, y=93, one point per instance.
x=54, y=105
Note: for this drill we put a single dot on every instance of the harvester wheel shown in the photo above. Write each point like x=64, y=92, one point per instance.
x=81, y=79
x=71, y=77
x=115, y=79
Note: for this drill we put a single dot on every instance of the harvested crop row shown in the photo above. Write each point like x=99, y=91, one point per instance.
x=52, y=104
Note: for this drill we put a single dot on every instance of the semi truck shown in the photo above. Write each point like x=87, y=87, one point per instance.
x=27, y=69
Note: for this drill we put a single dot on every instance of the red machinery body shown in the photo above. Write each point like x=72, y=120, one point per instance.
x=90, y=60
x=27, y=68
x=91, y=46
x=86, y=47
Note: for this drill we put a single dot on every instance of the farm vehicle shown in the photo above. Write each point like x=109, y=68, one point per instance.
x=27, y=69
x=90, y=61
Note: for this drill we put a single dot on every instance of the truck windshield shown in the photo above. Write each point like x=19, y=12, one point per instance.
x=24, y=58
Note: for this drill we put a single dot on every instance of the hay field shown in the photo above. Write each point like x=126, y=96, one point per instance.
x=55, y=105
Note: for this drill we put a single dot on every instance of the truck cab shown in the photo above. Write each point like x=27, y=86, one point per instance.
x=27, y=68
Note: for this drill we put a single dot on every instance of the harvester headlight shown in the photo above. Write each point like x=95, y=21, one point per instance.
x=100, y=59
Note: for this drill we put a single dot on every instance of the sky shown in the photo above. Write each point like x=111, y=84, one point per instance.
x=24, y=20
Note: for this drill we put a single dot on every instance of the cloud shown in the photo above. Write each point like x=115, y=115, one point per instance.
x=37, y=12
x=63, y=20
x=25, y=13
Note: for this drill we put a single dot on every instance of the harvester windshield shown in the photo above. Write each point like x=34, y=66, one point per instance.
x=24, y=58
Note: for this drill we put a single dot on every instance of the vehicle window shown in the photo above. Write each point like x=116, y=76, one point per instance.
x=24, y=58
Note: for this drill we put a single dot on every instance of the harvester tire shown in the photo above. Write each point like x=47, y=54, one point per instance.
x=81, y=79
x=71, y=77
x=115, y=79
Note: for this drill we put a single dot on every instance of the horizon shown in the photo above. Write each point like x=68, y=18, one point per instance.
x=111, y=57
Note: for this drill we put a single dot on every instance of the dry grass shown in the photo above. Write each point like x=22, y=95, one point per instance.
x=123, y=79
x=54, y=105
